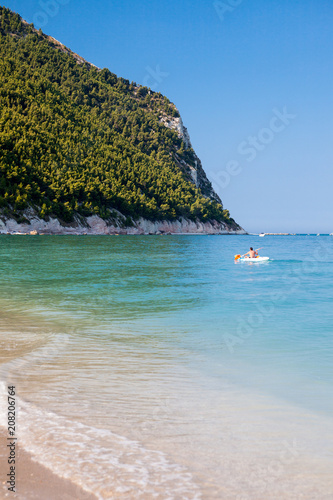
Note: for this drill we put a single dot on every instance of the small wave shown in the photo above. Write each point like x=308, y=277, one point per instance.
x=51, y=348
x=99, y=461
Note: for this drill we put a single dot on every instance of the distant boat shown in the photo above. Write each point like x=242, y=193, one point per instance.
x=262, y=234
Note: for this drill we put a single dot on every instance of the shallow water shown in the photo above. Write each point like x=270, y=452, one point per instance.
x=169, y=371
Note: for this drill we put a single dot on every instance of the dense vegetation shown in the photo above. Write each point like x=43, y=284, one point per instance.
x=76, y=139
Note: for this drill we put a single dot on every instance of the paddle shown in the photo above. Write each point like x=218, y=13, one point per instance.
x=240, y=256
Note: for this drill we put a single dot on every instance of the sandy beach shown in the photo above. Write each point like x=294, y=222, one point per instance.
x=35, y=481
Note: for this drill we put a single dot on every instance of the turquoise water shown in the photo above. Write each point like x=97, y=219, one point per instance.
x=180, y=372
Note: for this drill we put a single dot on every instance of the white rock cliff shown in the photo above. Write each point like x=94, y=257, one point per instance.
x=96, y=225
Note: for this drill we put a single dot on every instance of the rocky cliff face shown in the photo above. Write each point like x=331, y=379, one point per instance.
x=95, y=225
x=195, y=169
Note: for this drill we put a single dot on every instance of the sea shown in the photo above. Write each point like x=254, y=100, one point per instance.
x=157, y=367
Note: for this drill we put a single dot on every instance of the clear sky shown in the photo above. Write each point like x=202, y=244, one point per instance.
x=252, y=80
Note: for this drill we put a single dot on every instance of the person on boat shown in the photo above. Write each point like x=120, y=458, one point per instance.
x=251, y=253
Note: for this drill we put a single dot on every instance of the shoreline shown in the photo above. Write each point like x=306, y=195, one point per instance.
x=94, y=225
x=34, y=481
x=119, y=234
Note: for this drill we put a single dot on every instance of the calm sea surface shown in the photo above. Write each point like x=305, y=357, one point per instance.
x=157, y=367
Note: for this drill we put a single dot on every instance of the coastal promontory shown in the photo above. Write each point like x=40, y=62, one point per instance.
x=85, y=151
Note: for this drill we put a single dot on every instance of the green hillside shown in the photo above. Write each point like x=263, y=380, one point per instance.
x=75, y=139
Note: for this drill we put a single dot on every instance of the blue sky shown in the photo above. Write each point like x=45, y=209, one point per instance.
x=252, y=80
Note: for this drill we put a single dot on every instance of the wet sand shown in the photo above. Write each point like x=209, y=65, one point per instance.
x=35, y=482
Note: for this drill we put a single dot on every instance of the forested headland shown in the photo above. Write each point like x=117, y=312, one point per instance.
x=79, y=141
